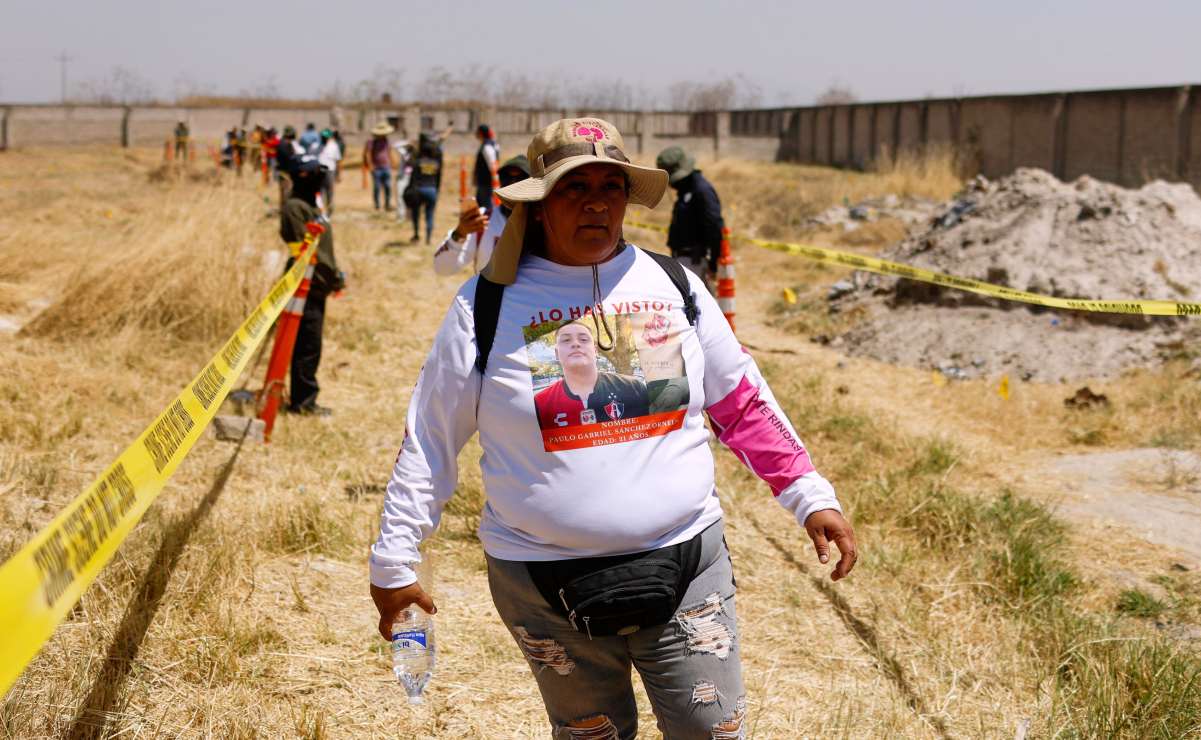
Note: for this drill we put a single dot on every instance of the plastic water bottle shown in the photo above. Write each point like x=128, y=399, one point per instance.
x=413, y=642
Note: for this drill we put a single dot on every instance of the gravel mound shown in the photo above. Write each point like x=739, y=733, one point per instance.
x=1084, y=239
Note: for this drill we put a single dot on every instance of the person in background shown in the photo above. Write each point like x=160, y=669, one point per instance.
x=472, y=241
x=330, y=158
x=310, y=140
x=378, y=157
x=256, y=146
x=404, y=174
x=229, y=142
x=181, y=140
x=696, y=223
x=271, y=151
x=241, y=144
x=300, y=209
x=486, y=159
x=426, y=183
x=287, y=154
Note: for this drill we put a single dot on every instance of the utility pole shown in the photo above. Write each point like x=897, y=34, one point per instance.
x=62, y=60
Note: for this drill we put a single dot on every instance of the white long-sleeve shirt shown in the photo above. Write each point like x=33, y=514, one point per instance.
x=452, y=256
x=622, y=473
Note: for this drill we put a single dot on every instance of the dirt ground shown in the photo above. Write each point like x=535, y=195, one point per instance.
x=239, y=607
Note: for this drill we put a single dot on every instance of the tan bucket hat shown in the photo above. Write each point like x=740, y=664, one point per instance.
x=556, y=150
x=382, y=129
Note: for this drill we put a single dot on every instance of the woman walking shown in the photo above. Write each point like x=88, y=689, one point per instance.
x=603, y=526
x=425, y=181
x=378, y=157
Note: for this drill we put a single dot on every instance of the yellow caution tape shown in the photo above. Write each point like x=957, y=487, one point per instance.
x=42, y=582
x=885, y=267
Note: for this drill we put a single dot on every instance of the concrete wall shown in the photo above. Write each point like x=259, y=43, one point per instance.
x=1126, y=136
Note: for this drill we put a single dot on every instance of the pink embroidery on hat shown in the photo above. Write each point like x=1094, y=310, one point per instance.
x=589, y=133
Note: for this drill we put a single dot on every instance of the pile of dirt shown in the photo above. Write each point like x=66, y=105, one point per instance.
x=1085, y=239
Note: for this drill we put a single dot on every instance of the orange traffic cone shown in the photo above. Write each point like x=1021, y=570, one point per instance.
x=285, y=334
x=725, y=278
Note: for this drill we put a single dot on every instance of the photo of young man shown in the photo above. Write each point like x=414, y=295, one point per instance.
x=585, y=394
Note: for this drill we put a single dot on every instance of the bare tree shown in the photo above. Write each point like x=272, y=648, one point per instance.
x=732, y=92
x=836, y=94
x=438, y=85
x=186, y=86
x=613, y=94
x=122, y=86
x=267, y=89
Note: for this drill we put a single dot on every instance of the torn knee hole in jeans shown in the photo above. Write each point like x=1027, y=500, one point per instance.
x=703, y=632
x=704, y=692
x=730, y=727
x=596, y=727
x=545, y=652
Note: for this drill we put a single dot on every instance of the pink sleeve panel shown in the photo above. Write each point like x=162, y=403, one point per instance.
x=755, y=430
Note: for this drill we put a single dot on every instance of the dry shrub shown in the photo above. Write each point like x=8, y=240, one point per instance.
x=774, y=200
x=934, y=172
x=191, y=271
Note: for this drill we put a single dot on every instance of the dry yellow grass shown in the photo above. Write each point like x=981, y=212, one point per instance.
x=238, y=608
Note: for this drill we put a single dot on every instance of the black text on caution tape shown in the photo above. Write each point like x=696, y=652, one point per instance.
x=168, y=434
x=69, y=547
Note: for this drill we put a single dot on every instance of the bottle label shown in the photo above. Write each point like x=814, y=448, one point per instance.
x=409, y=639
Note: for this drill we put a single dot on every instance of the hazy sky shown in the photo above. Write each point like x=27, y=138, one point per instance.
x=792, y=50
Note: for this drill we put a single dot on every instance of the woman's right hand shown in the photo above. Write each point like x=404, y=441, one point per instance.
x=390, y=602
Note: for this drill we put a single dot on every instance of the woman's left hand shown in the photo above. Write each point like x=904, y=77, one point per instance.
x=826, y=526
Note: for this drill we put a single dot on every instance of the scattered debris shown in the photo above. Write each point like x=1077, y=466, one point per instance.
x=356, y=491
x=1085, y=398
x=237, y=428
x=911, y=212
x=839, y=289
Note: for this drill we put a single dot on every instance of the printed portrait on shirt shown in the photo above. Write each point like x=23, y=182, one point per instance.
x=586, y=396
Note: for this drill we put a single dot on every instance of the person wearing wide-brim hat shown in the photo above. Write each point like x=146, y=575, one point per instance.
x=602, y=526
x=694, y=237
x=380, y=159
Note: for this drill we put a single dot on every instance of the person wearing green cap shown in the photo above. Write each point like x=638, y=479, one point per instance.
x=696, y=223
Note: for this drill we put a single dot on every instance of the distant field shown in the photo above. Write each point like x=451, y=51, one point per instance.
x=239, y=607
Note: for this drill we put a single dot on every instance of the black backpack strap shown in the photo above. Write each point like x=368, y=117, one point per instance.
x=485, y=313
x=679, y=278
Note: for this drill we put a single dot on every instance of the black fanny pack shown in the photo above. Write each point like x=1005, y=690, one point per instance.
x=619, y=594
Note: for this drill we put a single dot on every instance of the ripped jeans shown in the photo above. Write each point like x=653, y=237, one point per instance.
x=690, y=666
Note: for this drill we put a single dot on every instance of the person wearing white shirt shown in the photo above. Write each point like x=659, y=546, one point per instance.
x=472, y=241
x=404, y=173
x=486, y=159
x=329, y=157
x=602, y=524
